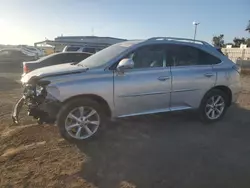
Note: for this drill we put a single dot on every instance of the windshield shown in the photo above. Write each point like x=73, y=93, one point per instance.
x=104, y=56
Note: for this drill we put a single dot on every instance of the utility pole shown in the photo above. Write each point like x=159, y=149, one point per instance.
x=195, y=29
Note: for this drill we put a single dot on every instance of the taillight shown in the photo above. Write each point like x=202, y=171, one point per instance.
x=237, y=68
x=25, y=68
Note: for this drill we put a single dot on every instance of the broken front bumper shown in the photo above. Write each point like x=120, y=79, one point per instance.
x=17, y=109
x=41, y=104
x=45, y=112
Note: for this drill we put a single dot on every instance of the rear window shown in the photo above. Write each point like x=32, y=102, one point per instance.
x=81, y=56
x=89, y=50
x=72, y=48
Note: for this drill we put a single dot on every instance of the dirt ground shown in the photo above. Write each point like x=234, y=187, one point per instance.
x=163, y=151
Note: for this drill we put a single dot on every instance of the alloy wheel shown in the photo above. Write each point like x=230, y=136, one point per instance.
x=82, y=122
x=215, y=107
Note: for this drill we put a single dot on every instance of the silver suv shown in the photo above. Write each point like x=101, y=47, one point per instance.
x=128, y=79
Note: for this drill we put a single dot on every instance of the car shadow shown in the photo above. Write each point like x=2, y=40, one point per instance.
x=171, y=150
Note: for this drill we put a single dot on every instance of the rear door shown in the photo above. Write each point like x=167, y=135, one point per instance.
x=192, y=75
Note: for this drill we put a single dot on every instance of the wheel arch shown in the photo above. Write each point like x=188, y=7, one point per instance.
x=93, y=97
x=224, y=89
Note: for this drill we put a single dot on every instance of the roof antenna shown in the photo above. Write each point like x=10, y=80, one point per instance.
x=92, y=31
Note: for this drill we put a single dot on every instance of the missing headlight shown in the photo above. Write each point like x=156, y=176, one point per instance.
x=39, y=90
x=28, y=91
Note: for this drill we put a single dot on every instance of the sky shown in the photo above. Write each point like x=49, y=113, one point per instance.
x=29, y=21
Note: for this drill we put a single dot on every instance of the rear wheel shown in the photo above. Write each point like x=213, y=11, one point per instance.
x=80, y=119
x=213, y=106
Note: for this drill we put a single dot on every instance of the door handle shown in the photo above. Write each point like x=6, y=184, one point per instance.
x=209, y=75
x=163, y=78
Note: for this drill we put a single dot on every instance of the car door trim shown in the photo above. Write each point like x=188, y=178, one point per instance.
x=145, y=94
x=183, y=90
x=146, y=112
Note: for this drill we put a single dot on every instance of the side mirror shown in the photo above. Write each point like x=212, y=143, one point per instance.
x=125, y=64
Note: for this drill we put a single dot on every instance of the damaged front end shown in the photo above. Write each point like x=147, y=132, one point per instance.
x=41, y=105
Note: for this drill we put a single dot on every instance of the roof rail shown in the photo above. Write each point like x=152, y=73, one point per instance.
x=179, y=39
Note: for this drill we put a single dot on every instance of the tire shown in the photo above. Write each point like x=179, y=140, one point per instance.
x=206, y=106
x=65, y=119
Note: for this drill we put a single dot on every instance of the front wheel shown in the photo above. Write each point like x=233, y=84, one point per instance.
x=80, y=119
x=213, y=106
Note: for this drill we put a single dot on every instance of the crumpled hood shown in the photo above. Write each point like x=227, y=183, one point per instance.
x=54, y=70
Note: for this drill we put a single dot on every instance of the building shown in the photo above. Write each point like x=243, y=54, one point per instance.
x=235, y=54
x=240, y=56
x=89, y=41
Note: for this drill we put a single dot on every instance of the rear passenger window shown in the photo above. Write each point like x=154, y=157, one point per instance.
x=180, y=55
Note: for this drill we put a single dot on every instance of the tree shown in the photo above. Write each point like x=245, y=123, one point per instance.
x=248, y=42
x=218, y=41
x=239, y=41
x=248, y=27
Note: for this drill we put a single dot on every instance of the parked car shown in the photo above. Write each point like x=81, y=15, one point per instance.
x=12, y=58
x=80, y=49
x=54, y=59
x=33, y=50
x=14, y=55
x=129, y=79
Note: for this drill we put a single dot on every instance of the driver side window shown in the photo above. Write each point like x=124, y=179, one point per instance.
x=148, y=57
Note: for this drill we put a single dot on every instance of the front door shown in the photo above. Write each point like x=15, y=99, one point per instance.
x=146, y=88
x=192, y=75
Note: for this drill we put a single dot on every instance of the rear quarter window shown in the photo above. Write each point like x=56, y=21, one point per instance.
x=208, y=59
